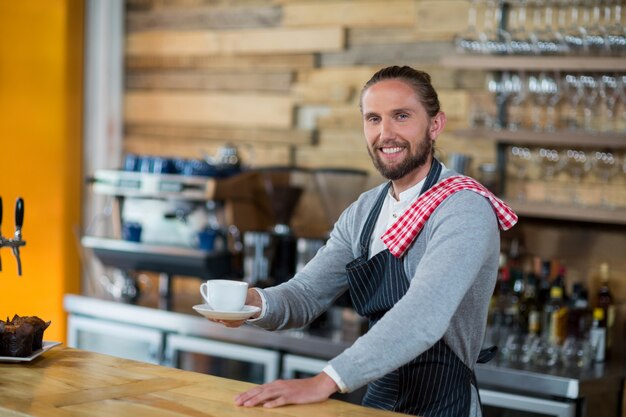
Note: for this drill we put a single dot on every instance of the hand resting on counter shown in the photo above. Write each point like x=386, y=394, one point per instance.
x=294, y=391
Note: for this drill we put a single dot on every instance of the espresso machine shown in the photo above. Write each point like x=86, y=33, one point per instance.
x=186, y=223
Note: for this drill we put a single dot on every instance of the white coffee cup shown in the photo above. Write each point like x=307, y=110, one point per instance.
x=224, y=294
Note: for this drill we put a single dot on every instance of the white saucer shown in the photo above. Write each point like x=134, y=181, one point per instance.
x=209, y=313
x=45, y=347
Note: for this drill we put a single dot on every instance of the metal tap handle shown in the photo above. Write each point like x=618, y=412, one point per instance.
x=16, y=252
x=19, y=217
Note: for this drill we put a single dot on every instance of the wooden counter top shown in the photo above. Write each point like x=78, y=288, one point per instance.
x=70, y=382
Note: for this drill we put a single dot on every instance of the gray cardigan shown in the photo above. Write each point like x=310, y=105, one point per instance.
x=452, y=266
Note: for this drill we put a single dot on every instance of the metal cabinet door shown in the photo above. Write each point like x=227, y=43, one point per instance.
x=227, y=360
x=524, y=405
x=294, y=365
x=115, y=339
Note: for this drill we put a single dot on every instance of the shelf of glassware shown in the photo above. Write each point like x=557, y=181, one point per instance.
x=613, y=140
x=542, y=210
x=535, y=63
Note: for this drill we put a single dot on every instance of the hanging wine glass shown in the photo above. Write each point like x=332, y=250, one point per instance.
x=573, y=92
x=590, y=94
x=609, y=92
x=469, y=39
x=596, y=33
x=493, y=38
x=517, y=100
x=575, y=33
x=536, y=87
x=577, y=164
x=616, y=31
x=520, y=159
x=553, y=91
x=621, y=82
x=605, y=167
x=548, y=40
x=519, y=41
x=550, y=164
x=496, y=88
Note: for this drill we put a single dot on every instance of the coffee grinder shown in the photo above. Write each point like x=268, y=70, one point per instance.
x=270, y=256
x=338, y=188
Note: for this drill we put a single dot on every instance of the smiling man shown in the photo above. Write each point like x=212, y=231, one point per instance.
x=419, y=257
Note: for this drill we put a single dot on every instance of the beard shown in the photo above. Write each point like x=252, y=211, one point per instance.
x=413, y=161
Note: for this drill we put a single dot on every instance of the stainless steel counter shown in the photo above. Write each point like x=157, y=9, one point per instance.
x=546, y=383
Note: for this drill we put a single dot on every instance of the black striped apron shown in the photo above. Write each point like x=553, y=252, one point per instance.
x=437, y=382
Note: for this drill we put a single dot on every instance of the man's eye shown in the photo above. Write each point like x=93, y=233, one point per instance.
x=402, y=116
x=372, y=119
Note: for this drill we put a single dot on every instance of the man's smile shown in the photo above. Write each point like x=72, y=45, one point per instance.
x=391, y=150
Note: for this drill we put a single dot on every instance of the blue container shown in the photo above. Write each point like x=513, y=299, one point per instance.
x=198, y=167
x=145, y=163
x=179, y=165
x=163, y=165
x=131, y=162
x=206, y=239
x=131, y=231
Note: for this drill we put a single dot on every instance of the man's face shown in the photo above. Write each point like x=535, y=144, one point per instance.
x=396, y=128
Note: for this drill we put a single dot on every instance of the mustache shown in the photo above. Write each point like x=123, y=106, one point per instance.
x=391, y=144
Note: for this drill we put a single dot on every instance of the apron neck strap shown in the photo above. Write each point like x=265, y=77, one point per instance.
x=431, y=179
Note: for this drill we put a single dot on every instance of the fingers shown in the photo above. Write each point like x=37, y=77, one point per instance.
x=254, y=396
x=232, y=324
x=266, y=395
x=229, y=323
x=280, y=401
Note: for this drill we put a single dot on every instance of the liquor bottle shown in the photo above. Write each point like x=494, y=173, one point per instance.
x=605, y=302
x=559, y=279
x=579, y=317
x=542, y=270
x=513, y=304
x=529, y=309
x=597, y=335
x=554, y=326
x=504, y=306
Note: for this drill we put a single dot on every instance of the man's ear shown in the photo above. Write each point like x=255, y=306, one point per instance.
x=437, y=124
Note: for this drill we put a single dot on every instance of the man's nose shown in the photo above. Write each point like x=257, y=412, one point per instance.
x=386, y=129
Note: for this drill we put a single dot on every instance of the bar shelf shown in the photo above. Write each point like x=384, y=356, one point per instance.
x=534, y=63
x=613, y=140
x=542, y=210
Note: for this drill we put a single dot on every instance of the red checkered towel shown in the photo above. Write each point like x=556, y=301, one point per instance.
x=401, y=234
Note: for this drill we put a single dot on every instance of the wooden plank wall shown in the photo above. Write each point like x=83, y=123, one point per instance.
x=280, y=78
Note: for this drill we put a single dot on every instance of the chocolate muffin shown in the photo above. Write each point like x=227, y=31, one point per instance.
x=38, y=325
x=17, y=341
x=21, y=336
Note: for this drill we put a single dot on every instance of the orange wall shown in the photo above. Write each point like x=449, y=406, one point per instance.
x=41, y=54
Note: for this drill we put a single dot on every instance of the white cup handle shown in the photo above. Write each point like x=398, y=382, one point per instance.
x=204, y=291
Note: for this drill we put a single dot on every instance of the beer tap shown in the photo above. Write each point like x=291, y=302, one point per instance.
x=17, y=241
